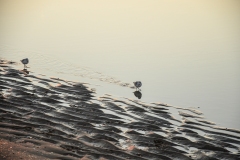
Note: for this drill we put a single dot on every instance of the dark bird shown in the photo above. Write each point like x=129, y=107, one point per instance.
x=25, y=61
x=137, y=84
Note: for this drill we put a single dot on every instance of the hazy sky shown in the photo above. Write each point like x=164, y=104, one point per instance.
x=155, y=31
x=107, y=26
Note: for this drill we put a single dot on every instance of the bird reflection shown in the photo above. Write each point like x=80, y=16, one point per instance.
x=25, y=71
x=138, y=94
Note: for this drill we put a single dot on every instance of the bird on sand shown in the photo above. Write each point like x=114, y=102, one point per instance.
x=137, y=84
x=25, y=61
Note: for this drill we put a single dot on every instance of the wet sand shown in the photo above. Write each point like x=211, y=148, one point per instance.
x=52, y=118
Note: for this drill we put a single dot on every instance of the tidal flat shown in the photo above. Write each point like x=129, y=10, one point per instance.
x=51, y=118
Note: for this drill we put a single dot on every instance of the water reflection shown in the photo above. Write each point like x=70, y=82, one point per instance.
x=138, y=94
x=25, y=71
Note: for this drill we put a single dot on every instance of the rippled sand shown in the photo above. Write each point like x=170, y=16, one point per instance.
x=59, y=119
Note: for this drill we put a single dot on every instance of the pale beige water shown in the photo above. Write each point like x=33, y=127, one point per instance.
x=186, y=53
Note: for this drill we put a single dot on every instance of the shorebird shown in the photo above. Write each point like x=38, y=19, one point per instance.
x=137, y=84
x=25, y=61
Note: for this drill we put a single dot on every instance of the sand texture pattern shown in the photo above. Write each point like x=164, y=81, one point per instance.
x=51, y=118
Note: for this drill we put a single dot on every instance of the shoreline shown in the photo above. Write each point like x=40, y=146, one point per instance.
x=64, y=117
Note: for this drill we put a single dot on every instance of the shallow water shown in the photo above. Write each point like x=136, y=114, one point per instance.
x=68, y=116
x=185, y=53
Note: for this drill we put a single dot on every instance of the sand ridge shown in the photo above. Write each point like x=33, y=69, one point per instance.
x=64, y=120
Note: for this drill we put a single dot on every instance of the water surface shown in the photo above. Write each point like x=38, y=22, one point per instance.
x=185, y=53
